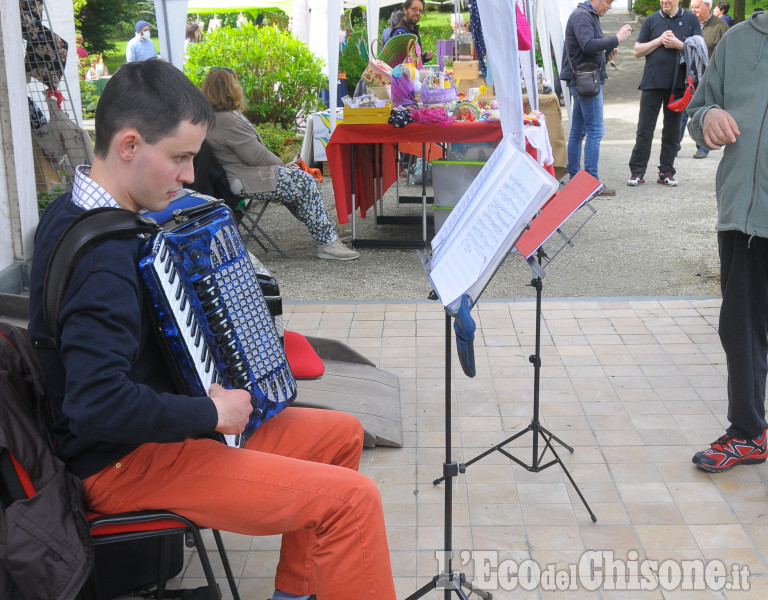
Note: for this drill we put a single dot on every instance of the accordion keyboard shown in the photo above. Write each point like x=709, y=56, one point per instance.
x=188, y=326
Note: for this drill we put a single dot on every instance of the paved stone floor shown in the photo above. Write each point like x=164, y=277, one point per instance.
x=634, y=385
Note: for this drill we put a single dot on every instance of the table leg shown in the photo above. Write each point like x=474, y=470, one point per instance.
x=424, y=194
x=352, y=183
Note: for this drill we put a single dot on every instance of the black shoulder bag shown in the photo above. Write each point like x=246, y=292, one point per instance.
x=587, y=81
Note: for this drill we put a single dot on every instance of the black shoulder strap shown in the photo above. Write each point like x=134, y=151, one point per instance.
x=89, y=229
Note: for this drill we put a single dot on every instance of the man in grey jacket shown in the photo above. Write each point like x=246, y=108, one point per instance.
x=730, y=110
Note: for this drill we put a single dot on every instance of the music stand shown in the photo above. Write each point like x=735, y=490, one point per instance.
x=551, y=215
x=540, y=433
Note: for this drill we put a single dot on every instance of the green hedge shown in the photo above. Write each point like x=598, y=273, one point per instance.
x=645, y=7
x=281, y=78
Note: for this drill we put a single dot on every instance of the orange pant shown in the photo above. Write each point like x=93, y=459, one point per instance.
x=297, y=477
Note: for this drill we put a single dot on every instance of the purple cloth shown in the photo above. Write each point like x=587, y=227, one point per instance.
x=444, y=48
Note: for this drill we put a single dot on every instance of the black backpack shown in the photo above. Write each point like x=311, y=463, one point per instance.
x=46, y=550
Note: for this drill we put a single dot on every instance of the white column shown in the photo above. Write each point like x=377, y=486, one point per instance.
x=301, y=20
x=18, y=198
x=171, y=30
x=62, y=16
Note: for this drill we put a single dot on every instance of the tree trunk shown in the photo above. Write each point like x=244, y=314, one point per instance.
x=738, y=10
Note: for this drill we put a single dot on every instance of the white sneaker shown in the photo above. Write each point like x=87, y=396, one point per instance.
x=343, y=232
x=337, y=251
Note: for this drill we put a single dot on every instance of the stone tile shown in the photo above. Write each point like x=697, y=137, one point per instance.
x=635, y=386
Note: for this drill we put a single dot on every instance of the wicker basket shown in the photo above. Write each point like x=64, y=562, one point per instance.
x=432, y=92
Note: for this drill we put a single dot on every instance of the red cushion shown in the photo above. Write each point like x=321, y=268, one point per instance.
x=302, y=358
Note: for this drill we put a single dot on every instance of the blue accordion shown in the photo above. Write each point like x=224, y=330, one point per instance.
x=211, y=310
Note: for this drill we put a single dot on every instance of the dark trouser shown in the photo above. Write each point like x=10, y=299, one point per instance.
x=744, y=329
x=651, y=102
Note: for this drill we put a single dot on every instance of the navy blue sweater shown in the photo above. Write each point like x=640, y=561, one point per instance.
x=108, y=383
x=585, y=43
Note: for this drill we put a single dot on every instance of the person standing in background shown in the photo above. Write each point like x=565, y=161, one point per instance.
x=587, y=48
x=394, y=19
x=660, y=42
x=413, y=10
x=721, y=10
x=192, y=36
x=712, y=29
x=141, y=47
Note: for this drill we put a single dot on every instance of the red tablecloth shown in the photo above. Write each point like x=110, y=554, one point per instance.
x=366, y=137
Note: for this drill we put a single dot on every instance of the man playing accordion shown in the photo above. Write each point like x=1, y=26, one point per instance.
x=122, y=425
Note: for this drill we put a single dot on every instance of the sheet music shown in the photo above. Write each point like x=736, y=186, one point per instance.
x=486, y=223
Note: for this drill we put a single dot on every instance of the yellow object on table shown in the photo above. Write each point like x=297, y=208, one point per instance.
x=367, y=114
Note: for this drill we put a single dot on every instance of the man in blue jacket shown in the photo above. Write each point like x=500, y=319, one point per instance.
x=730, y=111
x=141, y=46
x=586, y=48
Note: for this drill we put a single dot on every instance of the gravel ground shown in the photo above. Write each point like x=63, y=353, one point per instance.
x=647, y=241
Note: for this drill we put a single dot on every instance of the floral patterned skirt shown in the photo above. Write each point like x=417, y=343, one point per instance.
x=298, y=191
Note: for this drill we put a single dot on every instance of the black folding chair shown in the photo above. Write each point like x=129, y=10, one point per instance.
x=211, y=180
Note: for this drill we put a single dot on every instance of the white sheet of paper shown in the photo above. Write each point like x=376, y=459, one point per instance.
x=486, y=222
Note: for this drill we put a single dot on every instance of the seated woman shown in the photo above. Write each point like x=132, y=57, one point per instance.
x=255, y=172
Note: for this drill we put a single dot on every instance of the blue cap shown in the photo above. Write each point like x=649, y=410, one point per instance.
x=141, y=25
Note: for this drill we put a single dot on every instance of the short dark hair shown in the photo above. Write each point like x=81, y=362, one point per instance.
x=723, y=6
x=407, y=3
x=152, y=96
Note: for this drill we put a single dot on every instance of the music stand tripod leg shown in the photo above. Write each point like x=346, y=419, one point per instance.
x=535, y=426
x=448, y=580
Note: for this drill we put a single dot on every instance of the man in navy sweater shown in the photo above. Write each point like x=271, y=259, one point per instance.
x=586, y=48
x=130, y=435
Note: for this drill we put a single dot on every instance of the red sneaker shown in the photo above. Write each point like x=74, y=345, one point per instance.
x=727, y=452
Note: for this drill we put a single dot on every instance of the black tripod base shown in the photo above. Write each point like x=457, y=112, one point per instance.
x=537, y=463
x=453, y=582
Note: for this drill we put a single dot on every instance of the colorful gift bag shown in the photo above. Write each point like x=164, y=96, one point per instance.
x=377, y=73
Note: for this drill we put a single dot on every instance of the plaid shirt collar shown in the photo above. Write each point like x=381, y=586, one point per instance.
x=88, y=194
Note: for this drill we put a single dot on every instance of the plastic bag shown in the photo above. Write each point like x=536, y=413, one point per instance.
x=417, y=173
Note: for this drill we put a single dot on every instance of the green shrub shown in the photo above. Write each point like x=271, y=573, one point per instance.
x=435, y=26
x=280, y=141
x=351, y=61
x=45, y=198
x=281, y=78
x=88, y=98
x=645, y=7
